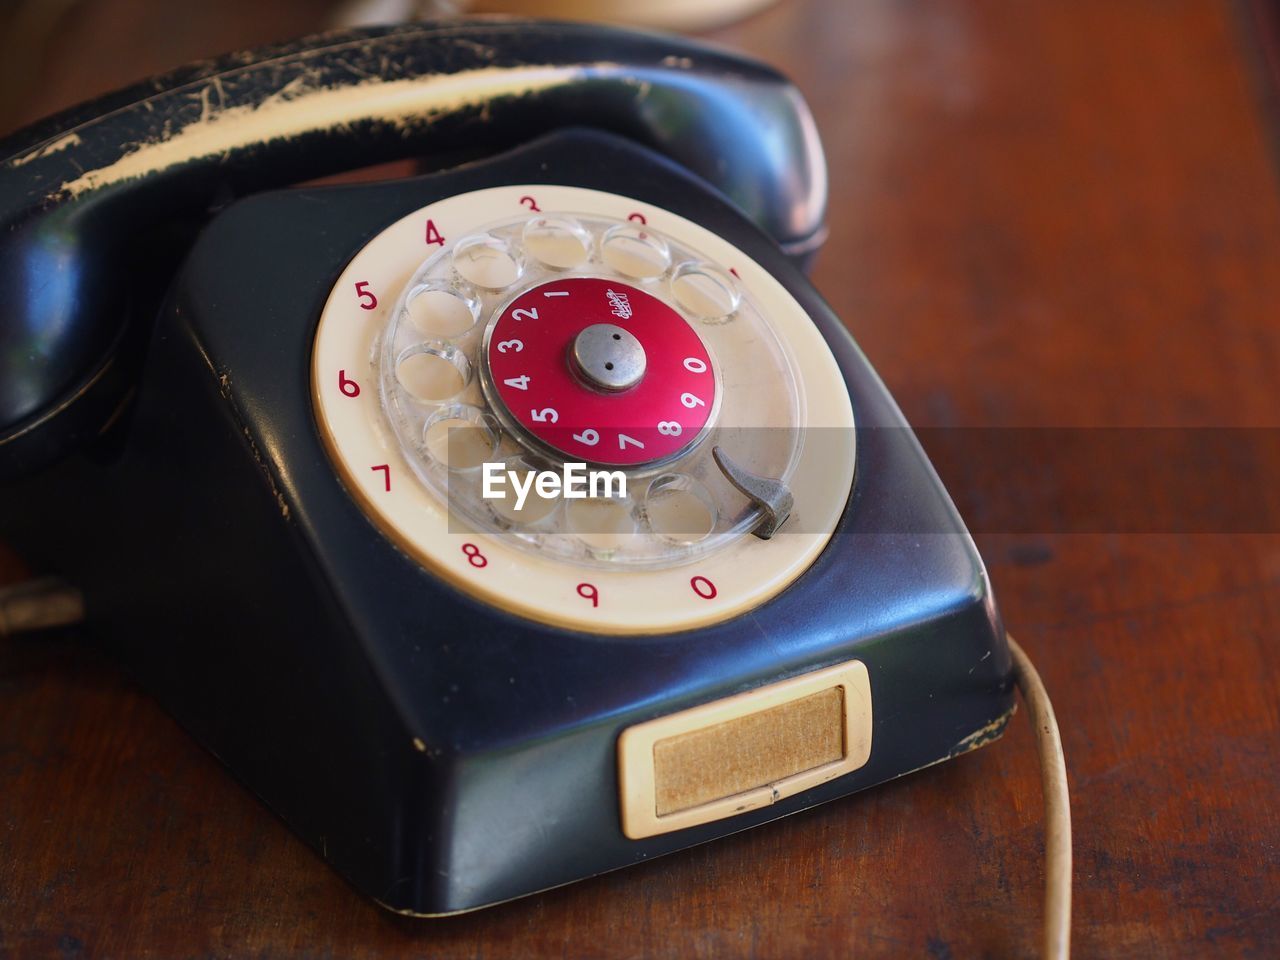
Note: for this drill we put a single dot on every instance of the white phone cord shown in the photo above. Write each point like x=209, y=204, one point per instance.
x=1057, y=807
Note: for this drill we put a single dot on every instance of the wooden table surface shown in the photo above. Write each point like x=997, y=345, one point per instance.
x=1044, y=215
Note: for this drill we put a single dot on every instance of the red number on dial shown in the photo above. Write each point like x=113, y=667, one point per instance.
x=433, y=235
x=474, y=556
x=588, y=591
x=348, y=386
x=386, y=475
x=367, y=300
x=703, y=587
x=531, y=203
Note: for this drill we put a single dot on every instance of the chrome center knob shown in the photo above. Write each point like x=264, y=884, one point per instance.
x=608, y=357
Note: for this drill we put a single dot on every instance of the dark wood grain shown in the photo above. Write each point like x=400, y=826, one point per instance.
x=1044, y=214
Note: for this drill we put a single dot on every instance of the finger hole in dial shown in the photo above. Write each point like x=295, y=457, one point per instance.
x=680, y=509
x=487, y=261
x=635, y=252
x=433, y=372
x=558, y=242
x=440, y=313
x=705, y=291
x=461, y=437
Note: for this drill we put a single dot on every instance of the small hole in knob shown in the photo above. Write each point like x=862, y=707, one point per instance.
x=617, y=336
x=608, y=366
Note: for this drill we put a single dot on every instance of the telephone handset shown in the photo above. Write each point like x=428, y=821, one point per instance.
x=84, y=189
x=498, y=526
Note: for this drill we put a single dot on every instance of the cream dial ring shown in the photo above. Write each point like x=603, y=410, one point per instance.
x=398, y=354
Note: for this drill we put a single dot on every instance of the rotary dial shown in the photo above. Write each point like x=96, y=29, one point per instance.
x=542, y=341
x=522, y=331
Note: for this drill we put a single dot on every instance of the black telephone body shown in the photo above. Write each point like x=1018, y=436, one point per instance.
x=210, y=424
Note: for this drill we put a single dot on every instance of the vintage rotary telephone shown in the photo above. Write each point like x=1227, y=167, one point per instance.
x=285, y=443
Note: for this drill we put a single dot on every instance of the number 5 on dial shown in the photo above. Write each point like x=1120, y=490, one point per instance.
x=367, y=300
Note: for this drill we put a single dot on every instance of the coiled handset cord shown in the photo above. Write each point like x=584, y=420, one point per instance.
x=1057, y=806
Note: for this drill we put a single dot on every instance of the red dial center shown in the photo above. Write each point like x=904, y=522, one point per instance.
x=601, y=371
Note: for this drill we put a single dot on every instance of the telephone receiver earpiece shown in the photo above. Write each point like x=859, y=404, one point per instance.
x=98, y=204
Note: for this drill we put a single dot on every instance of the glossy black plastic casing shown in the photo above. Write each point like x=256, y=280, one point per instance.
x=221, y=553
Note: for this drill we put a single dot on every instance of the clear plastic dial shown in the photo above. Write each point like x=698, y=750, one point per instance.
x=573, y=337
